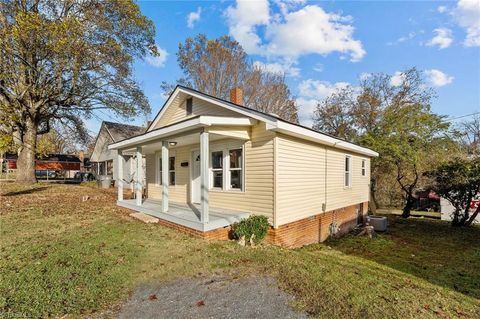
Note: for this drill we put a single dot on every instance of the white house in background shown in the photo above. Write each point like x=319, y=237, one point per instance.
x=447, y=209
x=103, y=160
x=210, y=162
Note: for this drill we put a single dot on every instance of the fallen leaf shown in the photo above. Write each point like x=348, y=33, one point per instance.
x=200, y=303
x=152, y=297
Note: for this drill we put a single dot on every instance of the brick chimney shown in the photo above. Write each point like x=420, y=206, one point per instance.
x=236, y=96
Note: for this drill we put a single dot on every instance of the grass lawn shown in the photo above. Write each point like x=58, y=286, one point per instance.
x=414, y=213
x=61, y=256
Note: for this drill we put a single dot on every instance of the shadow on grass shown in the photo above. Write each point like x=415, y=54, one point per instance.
x=428, y=249
x=26, y=191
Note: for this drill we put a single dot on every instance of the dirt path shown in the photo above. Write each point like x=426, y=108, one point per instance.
x=213, y=297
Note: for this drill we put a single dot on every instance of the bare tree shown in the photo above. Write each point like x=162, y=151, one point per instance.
x=470, y=134
x=333, y=115
x=216, y=66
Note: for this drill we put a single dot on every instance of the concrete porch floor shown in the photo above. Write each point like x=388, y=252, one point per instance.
x=187, y=215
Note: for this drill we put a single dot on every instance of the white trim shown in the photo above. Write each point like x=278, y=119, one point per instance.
x=350, y=158
x=225, y=149
x=197, y=122
x=363, y=170
x=306, y=134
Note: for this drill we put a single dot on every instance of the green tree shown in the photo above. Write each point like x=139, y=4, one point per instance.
x=61, y=60
x=216, y=66
x=458, y=181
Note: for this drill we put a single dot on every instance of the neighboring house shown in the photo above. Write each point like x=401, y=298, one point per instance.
x=211, y=162
x=447, y=209
x=70, y=164
x=102, y=159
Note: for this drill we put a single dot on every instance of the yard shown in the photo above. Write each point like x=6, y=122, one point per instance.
x=64, y=256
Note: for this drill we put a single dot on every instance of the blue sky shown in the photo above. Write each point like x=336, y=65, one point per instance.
x=322, y=45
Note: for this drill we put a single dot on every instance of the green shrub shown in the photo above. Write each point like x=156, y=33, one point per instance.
x=255, y=224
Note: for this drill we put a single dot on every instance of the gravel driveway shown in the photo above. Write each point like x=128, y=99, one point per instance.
x=211, y=297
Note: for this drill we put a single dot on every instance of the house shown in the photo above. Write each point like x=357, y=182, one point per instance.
x=447, y=209
x=65, y=163
x=211, y=162
x=102, y=159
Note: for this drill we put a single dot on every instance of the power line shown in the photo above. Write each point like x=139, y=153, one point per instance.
x=461, y=117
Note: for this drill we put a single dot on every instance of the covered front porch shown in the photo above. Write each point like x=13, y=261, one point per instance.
x=184, y=199
x=187, y=215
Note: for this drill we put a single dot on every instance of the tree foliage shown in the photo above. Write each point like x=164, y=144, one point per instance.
x=458, y=181
x=61, y=60
x=392, y=115
x=216, y=66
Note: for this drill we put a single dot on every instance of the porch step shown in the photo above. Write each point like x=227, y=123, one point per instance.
x=144, y=218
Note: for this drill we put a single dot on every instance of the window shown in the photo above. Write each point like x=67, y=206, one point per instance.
x=189, y=106
x=217, y=169
x=348, y=170
x=364, y=168
x=235, y=169
x=171, y=170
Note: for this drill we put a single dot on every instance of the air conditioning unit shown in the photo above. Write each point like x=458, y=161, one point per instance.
x=379, y=223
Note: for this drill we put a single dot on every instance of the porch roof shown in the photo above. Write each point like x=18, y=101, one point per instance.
x=180, y=127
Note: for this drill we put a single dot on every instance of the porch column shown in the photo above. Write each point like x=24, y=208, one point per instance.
x=119, y=175
x=204, y=156
x=165, y=177
x=139, y=173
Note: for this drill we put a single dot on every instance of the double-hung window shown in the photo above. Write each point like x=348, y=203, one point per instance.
x=226, y=169
x=364, y=168
x=217, y=169
x=236, y=169
x=348, y=171
x=171, y=170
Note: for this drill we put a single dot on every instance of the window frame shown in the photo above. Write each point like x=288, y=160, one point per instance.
x=211, y=169
x=347, y=170
x=229, y=171
x=226, y=168
x=364, y=168
x=158, y=177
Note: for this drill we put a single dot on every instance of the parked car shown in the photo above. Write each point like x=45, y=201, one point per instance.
x=85, y=176
x=46, y=173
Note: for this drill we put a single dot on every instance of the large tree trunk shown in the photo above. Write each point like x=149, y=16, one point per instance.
x=26, y=155
x=408, y=206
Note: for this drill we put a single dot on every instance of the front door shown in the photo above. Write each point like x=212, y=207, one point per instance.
x=195, y=182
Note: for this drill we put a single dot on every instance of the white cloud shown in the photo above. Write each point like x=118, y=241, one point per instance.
x=438, y=78
x=194, y=17
x=443, y=38
x=442, y=9
x=467, y=15
x=319, y=89
x=243, y=19
x=292, y=33
x=158, y=61
x=311, y=92
x=364, y=76
x=280, y=68
x=397, y=79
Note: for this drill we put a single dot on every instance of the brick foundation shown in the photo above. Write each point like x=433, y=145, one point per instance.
x=299, y=233
x=316, y=228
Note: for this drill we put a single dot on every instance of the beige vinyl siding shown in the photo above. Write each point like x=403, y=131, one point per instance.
x=257, y=196
x=300, y=179
x=337, y=195
x=176, y=112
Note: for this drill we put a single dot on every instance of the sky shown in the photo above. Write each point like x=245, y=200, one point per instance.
x=323, y=45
